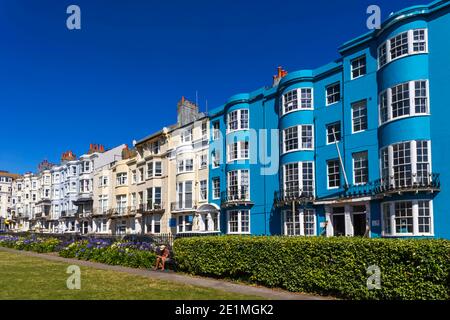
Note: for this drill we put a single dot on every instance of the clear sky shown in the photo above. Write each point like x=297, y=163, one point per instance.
x=119, y=77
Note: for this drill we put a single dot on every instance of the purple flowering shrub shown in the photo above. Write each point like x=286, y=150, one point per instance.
x=41, y=245
x=129, y=254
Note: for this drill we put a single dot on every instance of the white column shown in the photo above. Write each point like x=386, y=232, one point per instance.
x=348, y=220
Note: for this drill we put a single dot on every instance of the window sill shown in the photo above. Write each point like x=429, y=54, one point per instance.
x=237, y=130
x=296, y=150
x=351, y=78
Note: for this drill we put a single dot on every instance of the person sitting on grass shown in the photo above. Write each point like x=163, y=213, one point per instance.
x=161, y=258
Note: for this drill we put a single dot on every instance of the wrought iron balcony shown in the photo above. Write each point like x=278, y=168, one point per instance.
x=290, y=195
x=97, y=212
x=150, y=207
x=182, y=206
x=122, y=212
x=235, y=196
x=426, y=182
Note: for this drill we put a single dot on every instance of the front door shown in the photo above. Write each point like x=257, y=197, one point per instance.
x=359, y=220
x=339, y=221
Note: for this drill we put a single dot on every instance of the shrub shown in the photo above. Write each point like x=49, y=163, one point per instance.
x=41, y=245
x=410, y=269
x=128, y=254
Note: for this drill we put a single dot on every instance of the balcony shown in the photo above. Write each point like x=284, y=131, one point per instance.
x=235, y=196
x=397, y=184
x=122, y=212
x=150, y=207
x=182, y=206
x=68, y=213
x=98, y=212
x=293, y=195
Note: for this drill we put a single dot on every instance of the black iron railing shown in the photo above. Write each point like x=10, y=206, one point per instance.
x=396, y=183
x=235, y=195
x=288, y=195
x=180, y=205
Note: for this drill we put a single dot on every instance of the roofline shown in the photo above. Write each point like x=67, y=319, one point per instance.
x=394, y=19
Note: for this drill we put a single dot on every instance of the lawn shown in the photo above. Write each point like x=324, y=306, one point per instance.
x=23, y=277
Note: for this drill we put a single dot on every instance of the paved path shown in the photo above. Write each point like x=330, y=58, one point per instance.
x=223, y=285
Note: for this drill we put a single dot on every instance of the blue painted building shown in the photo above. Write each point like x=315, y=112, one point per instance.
x=357, y=147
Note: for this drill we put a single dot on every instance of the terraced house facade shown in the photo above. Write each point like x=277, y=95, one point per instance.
x=362, y=140
x=353, y=148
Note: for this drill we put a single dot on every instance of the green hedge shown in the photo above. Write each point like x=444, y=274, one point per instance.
x=410, y=269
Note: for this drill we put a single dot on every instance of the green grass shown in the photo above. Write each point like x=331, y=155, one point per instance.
x=28, y=278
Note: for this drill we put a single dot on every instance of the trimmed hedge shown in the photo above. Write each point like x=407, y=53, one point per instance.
x=410, y=269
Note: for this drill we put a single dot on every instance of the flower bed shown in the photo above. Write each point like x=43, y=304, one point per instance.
x=40, y=245
x=128, y=254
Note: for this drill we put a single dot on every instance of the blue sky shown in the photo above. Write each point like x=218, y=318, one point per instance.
x=119, y=77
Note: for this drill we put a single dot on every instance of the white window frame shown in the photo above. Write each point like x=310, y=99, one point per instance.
x=299, y=138
x=338, y=83
x=239, y=183
x=415, y=219
x=359, y=104
x=182, y=165
x=182, y=204
x=413, y=155
x=354, y=155
x=213, y=188
x=411, y=51
x=300, y=177
x=186, y=135
x=299, y=105
x=239, y=221
x=216, y=130
x=122, y=179
x=200, y=195
x=328, y=174
x=300, y=215
x=216, y=159
x=340, y=132
x=239, y=149
x=238, y=113
x=360, y=67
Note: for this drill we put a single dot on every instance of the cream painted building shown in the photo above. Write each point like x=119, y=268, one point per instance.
x=188, y=181
x=150, y=183
x=6, y=199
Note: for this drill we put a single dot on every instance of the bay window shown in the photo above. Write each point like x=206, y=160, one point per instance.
x=298, y=179
x=403, y=100
x=407, y=218
x=298, y=138
x=238, y=185
x=238, y=120
x=297, y=99
x=406, y=164
x=121, y=179
x=238, y=151
x=404, y=44
x=184, y=195
x=238, y=221
x=302, y=222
